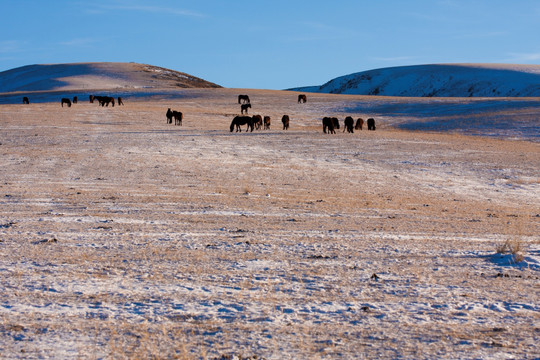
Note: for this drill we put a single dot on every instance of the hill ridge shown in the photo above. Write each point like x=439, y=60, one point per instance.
x=96, y=75
x=438, y=80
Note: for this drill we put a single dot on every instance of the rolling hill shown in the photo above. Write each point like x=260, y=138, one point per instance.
x=443, y=80
x=102, y=76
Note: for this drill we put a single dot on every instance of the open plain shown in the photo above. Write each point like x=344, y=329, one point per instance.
x=122, y=236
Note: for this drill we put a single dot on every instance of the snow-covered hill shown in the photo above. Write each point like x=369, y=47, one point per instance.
x=444, y=80
x=86, y=76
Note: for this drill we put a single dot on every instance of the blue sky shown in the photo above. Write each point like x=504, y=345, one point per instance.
x=269, y=44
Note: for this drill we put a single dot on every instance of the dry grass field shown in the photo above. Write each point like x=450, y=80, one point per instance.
x=123, y=237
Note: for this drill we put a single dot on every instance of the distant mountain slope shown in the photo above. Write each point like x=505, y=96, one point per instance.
x=85, y=76
x=444, y=80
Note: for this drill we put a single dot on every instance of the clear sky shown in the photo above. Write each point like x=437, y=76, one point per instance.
x=274, y=44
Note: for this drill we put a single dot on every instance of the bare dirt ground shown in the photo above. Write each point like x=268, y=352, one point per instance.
x=124, y=237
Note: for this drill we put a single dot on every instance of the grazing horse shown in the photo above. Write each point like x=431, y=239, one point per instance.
x=75, y=99
x=302, y=98
x=348, y=124
x=243, y=99
x=177, y=117
x=328, y=124
x=266, y=123
x=25, y=100
x=257, y=121
x=169, y=115
x=242, y=120
x=120, y=102
x=371, y=124
x=285, y=120
x=244, y=107
x=104, y=100
x=65, y=101
x=359, y=124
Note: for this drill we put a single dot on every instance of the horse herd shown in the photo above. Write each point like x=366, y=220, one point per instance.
x=256, y=122
x=332, y=123
x=102, y=100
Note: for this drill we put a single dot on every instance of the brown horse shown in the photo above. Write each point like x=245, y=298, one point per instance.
x=285, y=120
x=257, y=121
x=371, y=124
x=177, y=117
x=104, y=100
x=120, y=102
x=302, y=98
x=91, y=97
x=65, y=101
x=25, y=100
x=348, y=124
x=244, y=107
x=243, y=99
x=266, y=123
x=359, y=124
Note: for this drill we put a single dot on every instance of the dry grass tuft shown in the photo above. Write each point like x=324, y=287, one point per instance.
x=513, y=247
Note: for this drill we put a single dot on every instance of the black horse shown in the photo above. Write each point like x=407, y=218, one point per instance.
x=75, y=99
x=348, y=124
x=329, y=123
x=371, y=124
x=243, y=99
x=302, y=98
x=65, y=101
x=169, y=116
x=244, y=107
x=285, y=120
x=242, y=120
x=25, y=100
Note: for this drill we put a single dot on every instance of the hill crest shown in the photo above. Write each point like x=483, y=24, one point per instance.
x=439, y=80
x=102, y=76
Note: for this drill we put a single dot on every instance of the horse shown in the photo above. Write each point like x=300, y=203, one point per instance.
x=266, y=123
x=75, y=99
x=91, y=97
x=25, y=100
x=177, y=117
x=242, y=120
x=169, y=115
x=257, y=121
x=120, y=102
x=348, y=124
x=328, y=124
x=104, y=100
x=243, y=99
x=302, y=98
x=359, y=124
x=285, y=120
x=244, y=107
x=371, y=124
x=65, y=101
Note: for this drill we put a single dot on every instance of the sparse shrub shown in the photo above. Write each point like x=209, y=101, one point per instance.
x=513, y=247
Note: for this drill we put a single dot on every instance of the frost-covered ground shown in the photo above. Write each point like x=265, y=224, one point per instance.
x=124, y=237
